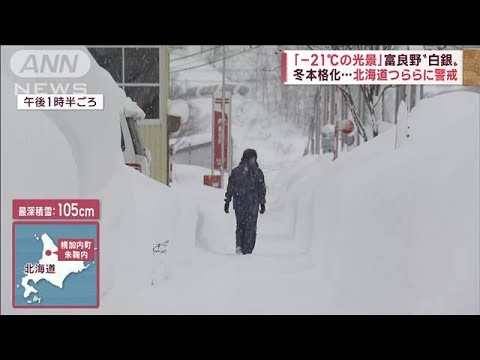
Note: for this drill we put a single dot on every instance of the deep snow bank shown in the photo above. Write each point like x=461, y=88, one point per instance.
x=70, y=154
x=206, y=215
x=398, y=230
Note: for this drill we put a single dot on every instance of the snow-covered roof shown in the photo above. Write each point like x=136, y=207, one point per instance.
x=185, y=142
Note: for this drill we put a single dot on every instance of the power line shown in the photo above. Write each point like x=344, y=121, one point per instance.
x=276, y=68
x=212, y=62
x=197, y=53
x=183, y=66
x=194, y=61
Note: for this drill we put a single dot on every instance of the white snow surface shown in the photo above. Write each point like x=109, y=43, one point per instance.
x=178, y=108
x=378, y=231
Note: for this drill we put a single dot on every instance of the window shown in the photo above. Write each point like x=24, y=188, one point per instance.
x=110, y=59
x=137, y=71
x=141, y=65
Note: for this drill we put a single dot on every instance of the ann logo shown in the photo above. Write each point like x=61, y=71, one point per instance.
x=60, y=64
x=50, y=63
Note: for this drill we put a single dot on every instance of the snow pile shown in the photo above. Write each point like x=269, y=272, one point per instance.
x=132, y=109
x=398, y=231
x=214, y=230
x=76, y=154
x=188, y=175
x=178, y=108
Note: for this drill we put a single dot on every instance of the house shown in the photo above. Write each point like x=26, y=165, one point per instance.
x=143, y=72
x=192, y=150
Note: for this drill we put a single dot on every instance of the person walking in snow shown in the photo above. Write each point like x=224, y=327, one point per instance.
x=246, y=185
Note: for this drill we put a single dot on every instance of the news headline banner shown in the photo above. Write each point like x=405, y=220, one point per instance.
x=396, y=67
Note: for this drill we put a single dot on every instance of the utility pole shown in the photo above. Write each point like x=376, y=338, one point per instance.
x=408, y=90
x=418, y=93
x=222, y=127
x=360, y=108
x=332, y=105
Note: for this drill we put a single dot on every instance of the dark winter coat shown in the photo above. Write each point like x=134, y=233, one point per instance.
x=246, y=185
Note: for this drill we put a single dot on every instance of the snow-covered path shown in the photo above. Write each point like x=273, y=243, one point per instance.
x=276, y=278
x=370, y=233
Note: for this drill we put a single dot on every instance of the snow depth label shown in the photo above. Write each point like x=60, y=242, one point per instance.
x=56, y=264
x=56, y=209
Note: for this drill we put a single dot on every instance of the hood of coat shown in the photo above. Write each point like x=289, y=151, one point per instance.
x=249, y=158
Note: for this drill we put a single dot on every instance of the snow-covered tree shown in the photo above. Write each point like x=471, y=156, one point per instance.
x=372, y=94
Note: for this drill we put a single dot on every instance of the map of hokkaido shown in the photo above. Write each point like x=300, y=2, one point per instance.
x=55, y=264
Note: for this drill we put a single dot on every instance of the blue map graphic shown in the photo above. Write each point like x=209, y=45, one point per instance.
x=79, y=288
